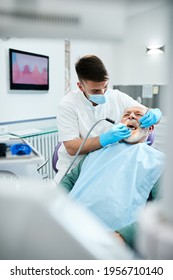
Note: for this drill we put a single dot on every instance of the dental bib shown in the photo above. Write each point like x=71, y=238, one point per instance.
x=115, y=182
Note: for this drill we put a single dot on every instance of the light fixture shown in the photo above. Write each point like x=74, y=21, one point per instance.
x=155, y=50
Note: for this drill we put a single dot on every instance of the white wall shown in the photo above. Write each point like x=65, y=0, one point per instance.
x=20, y=105
x=103, y=49
x=134, y=66
x=125, y=60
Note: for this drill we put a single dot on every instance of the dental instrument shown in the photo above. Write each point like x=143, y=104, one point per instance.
x=151, y=117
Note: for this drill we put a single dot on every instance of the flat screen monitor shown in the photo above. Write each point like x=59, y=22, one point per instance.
x=28, y=71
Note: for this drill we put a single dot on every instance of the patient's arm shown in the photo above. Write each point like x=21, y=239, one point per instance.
x=70, y=179
x=118, y=236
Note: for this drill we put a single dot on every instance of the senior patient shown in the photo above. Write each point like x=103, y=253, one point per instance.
x=115, y=182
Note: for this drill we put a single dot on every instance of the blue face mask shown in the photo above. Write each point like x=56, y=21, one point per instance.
x=98, y=98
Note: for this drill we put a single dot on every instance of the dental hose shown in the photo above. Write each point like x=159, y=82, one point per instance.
x=83, y=143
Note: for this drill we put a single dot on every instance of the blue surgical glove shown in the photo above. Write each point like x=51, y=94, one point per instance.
x=115, y=134
x=150, y=118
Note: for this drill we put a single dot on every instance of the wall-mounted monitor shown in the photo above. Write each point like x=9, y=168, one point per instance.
x=28, y=71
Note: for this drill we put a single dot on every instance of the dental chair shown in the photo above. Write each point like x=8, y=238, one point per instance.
x=55, y=157
x=150, y=141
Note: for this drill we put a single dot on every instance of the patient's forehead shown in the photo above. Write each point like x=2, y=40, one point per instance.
x=136, y=109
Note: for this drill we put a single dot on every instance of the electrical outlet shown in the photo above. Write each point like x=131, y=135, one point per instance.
x=3, y=129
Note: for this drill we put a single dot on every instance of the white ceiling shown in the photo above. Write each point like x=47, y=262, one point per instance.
x=135, y=7
x=74, y=19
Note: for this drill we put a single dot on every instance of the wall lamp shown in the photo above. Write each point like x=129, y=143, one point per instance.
x=155, y=50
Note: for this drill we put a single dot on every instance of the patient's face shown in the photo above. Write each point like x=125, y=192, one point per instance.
x=131, y=118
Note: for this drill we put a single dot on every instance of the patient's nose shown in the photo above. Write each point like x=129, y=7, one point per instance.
x=132, y=115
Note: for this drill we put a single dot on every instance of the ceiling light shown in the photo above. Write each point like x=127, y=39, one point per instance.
x=155, y=50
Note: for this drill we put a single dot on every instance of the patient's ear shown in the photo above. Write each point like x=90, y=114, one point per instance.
x=151, y=135
x=151, y=128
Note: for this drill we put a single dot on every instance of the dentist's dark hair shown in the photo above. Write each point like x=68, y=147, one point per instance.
x=91, y=68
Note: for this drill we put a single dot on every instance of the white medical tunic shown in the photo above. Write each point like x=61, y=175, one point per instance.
x=76, y=115
x=115, y=182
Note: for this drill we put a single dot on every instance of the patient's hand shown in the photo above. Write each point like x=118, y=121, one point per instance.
x=119, y=237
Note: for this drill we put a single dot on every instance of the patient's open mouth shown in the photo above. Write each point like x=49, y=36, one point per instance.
x=132, y=126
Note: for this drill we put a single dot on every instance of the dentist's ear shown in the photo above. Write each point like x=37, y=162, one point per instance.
x=80, y=86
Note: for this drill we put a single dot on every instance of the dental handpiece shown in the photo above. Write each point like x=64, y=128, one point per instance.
x=111, y=121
